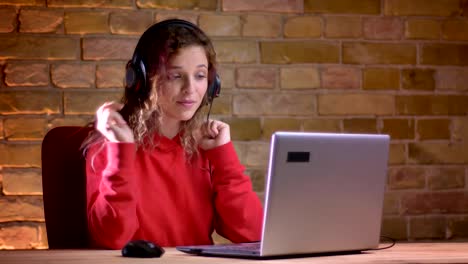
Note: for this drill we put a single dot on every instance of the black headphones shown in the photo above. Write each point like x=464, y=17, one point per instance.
x=136, y=76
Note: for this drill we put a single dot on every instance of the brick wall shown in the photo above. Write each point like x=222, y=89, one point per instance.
x=377, y=66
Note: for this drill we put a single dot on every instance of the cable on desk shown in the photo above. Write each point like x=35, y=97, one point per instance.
x=388, y=238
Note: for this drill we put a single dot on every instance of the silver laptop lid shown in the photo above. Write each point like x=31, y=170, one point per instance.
x=324, y=192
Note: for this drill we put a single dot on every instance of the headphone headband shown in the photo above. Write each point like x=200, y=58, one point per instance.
x=136, y=70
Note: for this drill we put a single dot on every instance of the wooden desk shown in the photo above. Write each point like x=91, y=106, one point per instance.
x=400, y=253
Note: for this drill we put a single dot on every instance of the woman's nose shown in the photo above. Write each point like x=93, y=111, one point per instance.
x=189, y=85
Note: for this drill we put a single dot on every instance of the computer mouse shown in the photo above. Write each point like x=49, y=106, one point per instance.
x=142, y=249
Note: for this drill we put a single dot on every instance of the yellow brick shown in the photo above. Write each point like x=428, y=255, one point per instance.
x=235, y=51
x=266, y=26
x=164, y=15
x=25, y=128
x=444, y=54
x=303, y=27
x=438, y=153
x=341, y=77
x=406, y=178
x=130, y=22
x=1, y=136
x=343, y=27
x=222, y=105
x=22, y=182
x=253, y=154
x=110, y=75
x=418, y=79
x=379, y=53
x=220, y=25
x=256, y=78
x=399, y=128
x=87, y=102
x=422, y=29
x=34, y=102
x=397, y=154
x=101, y=48
x=383, y=28
x=227, y=76
x=28, y=74
x=79, y=22
x=176, y=5
x=21, y=208
x=360, y=125
x=257, y=155
x=290, y=6
x=381, y=78
x=245, y=128
x=455, y=30
x=391, y=203
x=258, y=179
x=456, y=227
x=91, y=3
x=299, y=52
x=19, y=236
x=322, y=125
x=7, y=19
x=342, y=6
x=43, y=243
x=299, y=78
x=395, y=227
x=421, y=7
x=355, y=104
x=41, y=21
x=431, y=105
x=446, y=178
x=71, y=121
x=24, y=2
x=255, y=104
x=39, y=47
x=20, y=155
x=433, y=129
x=271, y=125
x=430, y=227
x=452, y=79
x=460, y=129
x=73, y=75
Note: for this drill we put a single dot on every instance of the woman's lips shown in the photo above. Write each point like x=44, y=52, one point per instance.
x=186, y=103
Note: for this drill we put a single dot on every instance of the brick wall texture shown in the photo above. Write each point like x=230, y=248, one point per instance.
x=370, y=66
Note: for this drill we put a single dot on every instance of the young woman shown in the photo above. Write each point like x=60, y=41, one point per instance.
x=157, y=169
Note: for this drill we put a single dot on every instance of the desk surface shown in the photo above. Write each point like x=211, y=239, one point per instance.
x=400, y=253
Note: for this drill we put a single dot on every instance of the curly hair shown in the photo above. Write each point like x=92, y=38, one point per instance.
x=141, y=110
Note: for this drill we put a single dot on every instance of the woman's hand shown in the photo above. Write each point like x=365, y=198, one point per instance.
x=111, y=124
x=214, y=134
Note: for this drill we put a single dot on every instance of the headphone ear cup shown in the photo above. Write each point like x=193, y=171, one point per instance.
x=130, y=76
x=135, y=75
x=142, y=75
x=214, y=89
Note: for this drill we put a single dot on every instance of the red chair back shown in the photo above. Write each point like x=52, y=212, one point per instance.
x=64, y=187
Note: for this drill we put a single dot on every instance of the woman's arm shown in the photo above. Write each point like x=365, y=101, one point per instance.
x=111, y=194
x=239, y=212
x=111, y=190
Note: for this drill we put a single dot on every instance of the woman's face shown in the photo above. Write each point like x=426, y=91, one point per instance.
x=185, y=86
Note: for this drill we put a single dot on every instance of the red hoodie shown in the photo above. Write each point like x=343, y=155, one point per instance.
x=159, y=196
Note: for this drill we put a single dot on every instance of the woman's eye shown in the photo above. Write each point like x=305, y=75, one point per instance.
x=174, y=76
x=201, y=76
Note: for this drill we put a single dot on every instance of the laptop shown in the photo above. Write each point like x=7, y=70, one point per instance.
x=324, y=194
